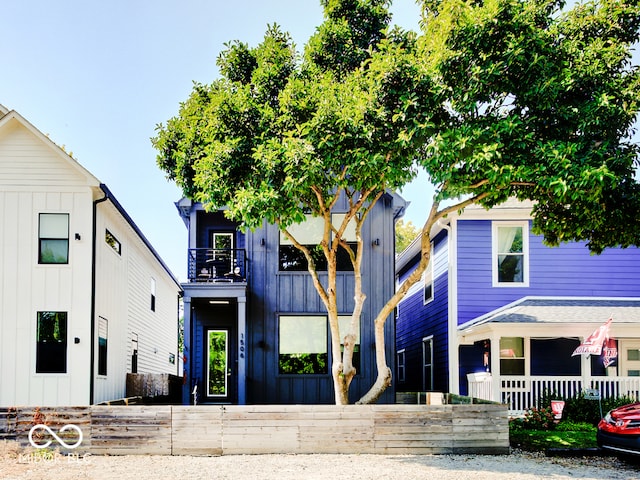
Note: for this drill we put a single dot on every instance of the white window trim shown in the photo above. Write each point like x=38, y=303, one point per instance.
x=401, y=366
x=494, y=254
x=427, y=278
x=426, y=340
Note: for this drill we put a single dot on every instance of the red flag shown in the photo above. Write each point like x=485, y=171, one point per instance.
x=593, y=344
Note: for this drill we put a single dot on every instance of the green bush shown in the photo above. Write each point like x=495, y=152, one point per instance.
x=581, y=409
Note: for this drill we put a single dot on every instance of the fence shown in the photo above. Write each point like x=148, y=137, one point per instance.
x=288, y=429
x=521, y=393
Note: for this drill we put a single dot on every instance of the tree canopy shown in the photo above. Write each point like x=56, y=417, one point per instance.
x=494, y=99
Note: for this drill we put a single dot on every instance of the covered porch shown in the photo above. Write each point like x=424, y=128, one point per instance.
x=527, y=351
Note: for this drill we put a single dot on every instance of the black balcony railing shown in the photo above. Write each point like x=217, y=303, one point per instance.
x=217, y=265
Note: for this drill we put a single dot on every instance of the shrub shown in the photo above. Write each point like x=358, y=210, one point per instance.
x=538, y=419
x=581, y=409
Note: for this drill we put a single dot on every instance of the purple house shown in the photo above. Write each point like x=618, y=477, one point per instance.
x=499, y=314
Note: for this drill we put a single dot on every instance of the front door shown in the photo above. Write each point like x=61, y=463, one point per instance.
x=220, y=365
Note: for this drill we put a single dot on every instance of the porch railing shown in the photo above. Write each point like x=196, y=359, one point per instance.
x=523, y=393
x=217, y=265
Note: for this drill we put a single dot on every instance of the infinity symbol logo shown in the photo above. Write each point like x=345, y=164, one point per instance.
x=52, y=433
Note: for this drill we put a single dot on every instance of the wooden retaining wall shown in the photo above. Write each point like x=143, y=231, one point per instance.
x=261, y=429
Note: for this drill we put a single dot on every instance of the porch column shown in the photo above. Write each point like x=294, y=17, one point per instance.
x=496, y=387
x=242, y=350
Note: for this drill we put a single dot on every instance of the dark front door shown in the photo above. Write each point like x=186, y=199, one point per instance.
x=220, y=365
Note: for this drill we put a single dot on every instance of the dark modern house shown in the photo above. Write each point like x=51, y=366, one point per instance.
x=255, y=329
x=499, y=314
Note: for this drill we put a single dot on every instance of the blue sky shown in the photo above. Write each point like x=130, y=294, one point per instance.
x=97, y=77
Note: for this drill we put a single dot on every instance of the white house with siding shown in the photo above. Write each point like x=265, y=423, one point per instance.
x=84, y=297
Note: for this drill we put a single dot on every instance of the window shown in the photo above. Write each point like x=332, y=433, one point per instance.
x=510, y=254
x=309, y=234
x=511, y=356
x=153, y=295
x=401, y=365
x=427, y=278
x=53, y=236
x=134, y=353
x=113, y=242
x=102, y=346
x=51, y=342
x=303, y=345
x=427, y=364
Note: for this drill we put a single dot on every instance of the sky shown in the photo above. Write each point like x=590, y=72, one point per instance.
x=98, y=77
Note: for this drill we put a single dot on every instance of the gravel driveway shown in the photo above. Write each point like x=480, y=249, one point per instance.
x=15, y=464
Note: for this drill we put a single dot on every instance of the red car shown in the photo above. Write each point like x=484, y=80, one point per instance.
x=619, y=430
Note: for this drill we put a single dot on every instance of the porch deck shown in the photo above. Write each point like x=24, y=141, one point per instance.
x=522, y=393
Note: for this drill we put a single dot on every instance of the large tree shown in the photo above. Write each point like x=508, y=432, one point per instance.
x=495, y=99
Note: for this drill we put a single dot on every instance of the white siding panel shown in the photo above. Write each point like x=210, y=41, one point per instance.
x=26, y=161
x=123, y=297
x=28, y=287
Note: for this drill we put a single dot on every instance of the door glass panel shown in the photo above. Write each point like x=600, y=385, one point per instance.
x=223, y=253
x=218, y=363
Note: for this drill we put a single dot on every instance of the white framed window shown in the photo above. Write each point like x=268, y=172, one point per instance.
x=427, y=364
x=153, y=294
x=113, y=242
x=510, y=254
x=401, y=365
x=512, y=359
x=103, y=330
x=427, y=279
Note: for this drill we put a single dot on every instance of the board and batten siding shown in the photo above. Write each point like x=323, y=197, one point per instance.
x=123, y=298
x=272, y=293
x=36, y=177
x=566, y=270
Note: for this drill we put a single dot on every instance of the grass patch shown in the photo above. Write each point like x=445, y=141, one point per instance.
x=571, y=435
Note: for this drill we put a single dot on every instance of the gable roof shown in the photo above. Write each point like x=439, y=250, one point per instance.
x=11, y=117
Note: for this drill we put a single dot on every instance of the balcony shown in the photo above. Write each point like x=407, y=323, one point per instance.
x=217, y=265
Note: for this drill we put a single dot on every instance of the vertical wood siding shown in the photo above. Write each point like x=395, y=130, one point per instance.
x=273, y=293
x=34, y=179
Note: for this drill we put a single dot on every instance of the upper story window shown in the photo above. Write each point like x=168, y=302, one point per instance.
x=510, y=245
x=112, y=241
x=153, y=295
x=427, y=278
x=309, y=234
x=53, y=238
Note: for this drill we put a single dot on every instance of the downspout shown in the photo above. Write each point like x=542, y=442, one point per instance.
x=93, y=293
